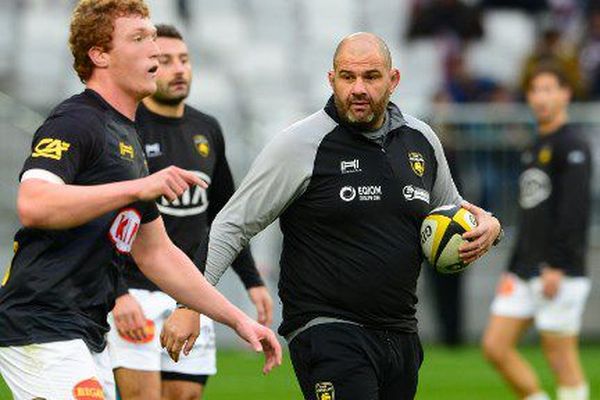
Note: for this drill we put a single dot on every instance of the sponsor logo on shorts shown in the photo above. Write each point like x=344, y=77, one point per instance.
x=50, y=148
x=89, y=389
x=411, y=192
x=350, y=167
x=365, y=193
x=325, y=391
x=149, y=332
x=506, y=286
x=124, y=228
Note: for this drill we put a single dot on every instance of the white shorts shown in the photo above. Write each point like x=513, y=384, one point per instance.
x=562, y=314
x=148, y=355
x=57, y=370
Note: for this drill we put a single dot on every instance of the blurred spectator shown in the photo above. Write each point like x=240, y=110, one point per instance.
x=463, y=86
x=552, y=49
x=444, y=17
x=589, y=56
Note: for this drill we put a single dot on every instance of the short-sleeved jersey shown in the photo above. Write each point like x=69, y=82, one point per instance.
x=193, y=142
x=350, y=210
x=554, y=204
x=61, y=283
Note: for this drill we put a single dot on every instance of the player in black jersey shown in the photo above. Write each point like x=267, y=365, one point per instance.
x=350, y=185
x=84, y=197
x=175, y=133
x=546, y=283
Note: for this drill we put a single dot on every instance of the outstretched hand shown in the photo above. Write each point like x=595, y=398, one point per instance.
x=261, y=339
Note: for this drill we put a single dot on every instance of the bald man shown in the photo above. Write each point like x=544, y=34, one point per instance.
x=351, y=185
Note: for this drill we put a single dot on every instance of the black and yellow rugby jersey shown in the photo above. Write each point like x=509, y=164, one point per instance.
x=350, y=209
x=554, y=203
x=193, y=142
x=61, y=283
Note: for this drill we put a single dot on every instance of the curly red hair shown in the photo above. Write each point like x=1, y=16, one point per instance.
x=92, y=24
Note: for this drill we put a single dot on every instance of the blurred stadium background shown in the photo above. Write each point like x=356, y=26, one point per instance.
x=260, y=65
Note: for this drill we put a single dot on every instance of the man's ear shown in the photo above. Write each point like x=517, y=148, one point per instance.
x=99, y=57
x=395, y=76
x=331, y=77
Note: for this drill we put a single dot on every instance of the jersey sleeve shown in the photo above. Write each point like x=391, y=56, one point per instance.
x=278, y=176
x=62, y=146
x=149, y=211
x=572, y=189
x=218, y=195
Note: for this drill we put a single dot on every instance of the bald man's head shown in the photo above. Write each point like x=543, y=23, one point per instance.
x=361, y=44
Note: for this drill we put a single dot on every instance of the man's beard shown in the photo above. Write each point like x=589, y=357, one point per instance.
x=370, y=121
x=162, y=97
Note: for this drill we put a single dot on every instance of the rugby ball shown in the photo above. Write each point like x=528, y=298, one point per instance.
x=441, y=236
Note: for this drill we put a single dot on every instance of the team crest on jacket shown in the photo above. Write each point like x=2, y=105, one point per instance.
x=417, y=163
x=325, y=391
x=202, y=145
x=124, y=228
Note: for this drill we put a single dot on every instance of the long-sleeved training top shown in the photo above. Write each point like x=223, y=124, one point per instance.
x=350, y=206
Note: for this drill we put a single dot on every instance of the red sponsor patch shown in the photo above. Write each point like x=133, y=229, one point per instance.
x=124, y=229
x=149, y=330
x=506, y=287
x=90, y=389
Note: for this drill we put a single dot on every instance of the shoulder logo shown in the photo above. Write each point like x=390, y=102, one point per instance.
x=50, y=148
x=126, y=151
x=417, y=163
x=325, y=391
x=545, y=155
x=124, y=228
x=153, y=150
x=350, y=167
x=201, y=143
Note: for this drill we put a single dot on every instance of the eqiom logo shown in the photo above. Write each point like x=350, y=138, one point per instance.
x=347, y=193
x=364, y=193
x=192, y=202
x=124, y=228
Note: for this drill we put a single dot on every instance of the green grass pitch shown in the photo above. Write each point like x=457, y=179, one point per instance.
x=459, y=374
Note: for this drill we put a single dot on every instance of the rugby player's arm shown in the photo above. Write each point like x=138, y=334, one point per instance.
x=573, y=197
x=168, y=267
x=44, y=201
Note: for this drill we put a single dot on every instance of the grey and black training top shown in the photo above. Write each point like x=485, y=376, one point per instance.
x=350, y=210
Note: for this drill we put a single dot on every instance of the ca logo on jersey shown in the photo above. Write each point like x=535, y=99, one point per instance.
x=417, y=163
x=192, y=202
x=50, y=148
x=325, y=391
x=202, y=145
x=124, y=228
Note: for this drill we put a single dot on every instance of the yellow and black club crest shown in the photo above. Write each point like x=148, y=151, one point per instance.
x=417, y=163
x=202, y=145
x=325, y=391
x=545, y=155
